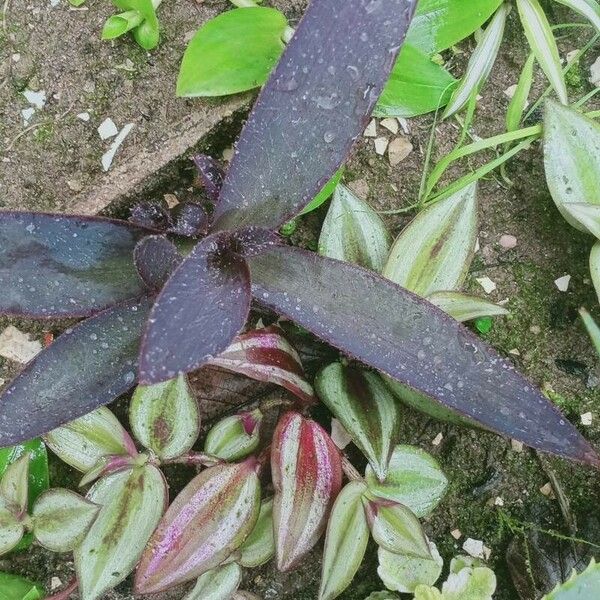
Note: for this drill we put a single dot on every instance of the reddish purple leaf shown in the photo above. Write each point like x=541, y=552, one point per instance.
x=155, y=259
x=253, y=240
x=154, y=215
x=57, y=265
x=89, y=365
x=201, y=308
x=264, y=354
x=190, y=219
x=312, y=109
x=397, y=332
x=307, y=476
x=211, y=173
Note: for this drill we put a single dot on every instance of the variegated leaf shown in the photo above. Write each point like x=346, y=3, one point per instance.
x=234, y=437
x=11, y=530
x=404, y=573
x=595, y=267
x=365, y=407
x=107, y=465
x=132, y=503
x=61, y=518
x=481, y=62
x=543, y=45
x=165, y=418
x=414, y=479
x=307, y=476
x=518, y=102
x=586, y=214
x=14, y=485
x=396, y=528
x=259, y=546
x=464, y=307
x=82, y=442
x=265, y=355
x=590, y=9
x=435, y=251
x=345, y=541
x=209, y=519
x=219, y=583
x=352, y=231
x=592, y=328
x=584, y=585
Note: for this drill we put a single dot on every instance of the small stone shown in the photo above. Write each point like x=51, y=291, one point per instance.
x=547, y=490
x=508, y=241
x=37, y=99
x=404, y=124
x=74, y=185
x=474, y=548
x=586, y=418
x=514, y=352
x=360, y=187
x=516, y=445
x=107, y=129
x=399, y=149
x=487, y=284
x=456, y=534
x=390, y=124
x=227, y=154
x=487, y=552
x=571, y=56
x=84, y=116
x=371, y=130
x=2, y=381
x=171, y=200
x=498, y=501
x=535, y=329
x=381, y=145
x=16, y=345
x=108, y=156
x=509, y=92
x=562, y=283
x=16, y=57
x=27, y=113
x=437, y=440
x=339, y=435
x=595, y=73
x=55, y=583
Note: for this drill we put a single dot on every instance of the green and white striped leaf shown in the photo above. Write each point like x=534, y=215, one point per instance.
x=345, y=542
x=14, y=485
x=354, y=232
x=518, y=103
x=464, y=307
x=435, y=250
x=165, y=417
x=366, y=408
x=414, y=479
x=132, y=503
x=592, y=328
x=586, y=214
x=590, y=9
x=480, y=64
x=572, y=162
x=543, y=45
x=403, y=573
x=217, y=584
x=580, y=586
x=595, y=267
x=84, y=441
x=11, y=530
x=259, y=546
x=61, y=518
x=234, y=437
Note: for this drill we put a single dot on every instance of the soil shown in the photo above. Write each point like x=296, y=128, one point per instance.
x=57, y=167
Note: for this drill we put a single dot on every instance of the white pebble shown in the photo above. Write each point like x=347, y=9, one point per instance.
x=487, y=284
x=562, y=283
x=107, y=129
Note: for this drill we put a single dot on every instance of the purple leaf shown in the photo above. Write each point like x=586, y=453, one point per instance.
x=190, y=219
x=211, y=174
x=202, y=307
x=253, y=240
x=395, y=331
x=153, y=215
x=312, y=109
x=155, y=259
x=89, y=365
x=56, y=265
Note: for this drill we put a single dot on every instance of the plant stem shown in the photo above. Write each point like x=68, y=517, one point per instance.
x=194, y=459
x=349, y=469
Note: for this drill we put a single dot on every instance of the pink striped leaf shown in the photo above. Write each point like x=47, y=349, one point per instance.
x=307, y=476
x=208, y=521
x=235, y=437
x=265, y=355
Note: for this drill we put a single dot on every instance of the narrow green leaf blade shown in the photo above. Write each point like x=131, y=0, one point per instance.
x=595, y=267
x=325, y=193
x=218, y=584
x=543, y=45
x=592, y=328
x=18, y=588
x=259, y=546
x=464, y=307
x=590, y=9
x=518, y=103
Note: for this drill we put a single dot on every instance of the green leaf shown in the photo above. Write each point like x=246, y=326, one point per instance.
x=259, y=546
x=580, y=586
x=345, y=542
x=435, y=251
x=424, y=592
x=543, y=45
x=217, y=584
x=595, y=267
x=404, y=573
x=592, y=328
x=83, y=442
x=518, y=103
x=414, y=479
x=363, y=404
x=572, y=163
x=61, y=518
x=13, y=587
x=76, y=3
x=469, y=583
x=146, y=34
x=233, y=52
x=118, y=25
x=439, y=24
x=416, y=86
x=165, y=417
x=464, y=307
x=480, y=64
x=14, y=485
x=325, y=193
x=234, y=437
x=354, y=232
x=382, y=596
x=590, y=9
x=11, y=530
x=132, y=502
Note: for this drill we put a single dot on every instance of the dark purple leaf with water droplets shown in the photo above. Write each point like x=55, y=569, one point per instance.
x=211, y=174
x=190, y=219
x=154, y=215
x=250, y=241
x=155, y=259
x=202, y=307
x=56, y=265
x=399, y=333
x=86, y=367
x=312, y=109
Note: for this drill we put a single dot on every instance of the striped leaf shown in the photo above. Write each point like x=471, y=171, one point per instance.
x=14, y=486
x=595, y=267
x=480, y=64
x=592, y=328
x=435, y=251
x=207, y=521
x=345, y=542
x=259, y=546
x=590, y=9
x=219, y=583
x=11, y=530
x=366, y=408
x=234, y=437
x=543, y=45
x=164, y=417
x=354, y=232
x=518, y=103
x=307, y=476
x=464, y=307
